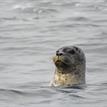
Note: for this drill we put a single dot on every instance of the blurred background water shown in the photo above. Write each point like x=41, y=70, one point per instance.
x=30, y=33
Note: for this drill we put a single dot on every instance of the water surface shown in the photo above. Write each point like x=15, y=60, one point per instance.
x=30, y=33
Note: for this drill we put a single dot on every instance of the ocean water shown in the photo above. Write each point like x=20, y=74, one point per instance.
x=30, y=33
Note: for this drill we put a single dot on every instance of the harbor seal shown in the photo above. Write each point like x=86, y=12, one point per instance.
x=70, y=66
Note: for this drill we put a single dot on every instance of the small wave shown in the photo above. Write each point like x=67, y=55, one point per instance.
x=30, y=8
x=78, y=18
x=19, y=92
x=8, y=18
x=22, y=6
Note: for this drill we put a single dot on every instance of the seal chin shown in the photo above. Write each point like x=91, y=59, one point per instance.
x=62, y=63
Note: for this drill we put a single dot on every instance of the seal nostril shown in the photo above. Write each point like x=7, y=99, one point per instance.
x=59, y=54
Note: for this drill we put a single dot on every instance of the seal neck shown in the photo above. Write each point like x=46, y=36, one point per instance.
x=68, y=79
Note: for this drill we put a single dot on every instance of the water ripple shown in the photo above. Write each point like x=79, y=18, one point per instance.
x=30, y=33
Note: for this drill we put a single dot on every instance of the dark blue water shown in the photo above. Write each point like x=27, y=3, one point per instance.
x=30, y=33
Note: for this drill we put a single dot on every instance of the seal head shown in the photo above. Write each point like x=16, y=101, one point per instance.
x=70, y=66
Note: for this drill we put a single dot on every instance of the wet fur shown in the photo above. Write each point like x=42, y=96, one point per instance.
x=66, y=76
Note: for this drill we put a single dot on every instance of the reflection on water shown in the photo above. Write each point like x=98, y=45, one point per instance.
x=30, y=33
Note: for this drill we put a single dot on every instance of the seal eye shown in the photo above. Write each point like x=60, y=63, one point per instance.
x=71, y=52
x=76, y=48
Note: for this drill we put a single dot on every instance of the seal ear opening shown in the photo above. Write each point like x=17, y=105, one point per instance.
x=76, y=48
